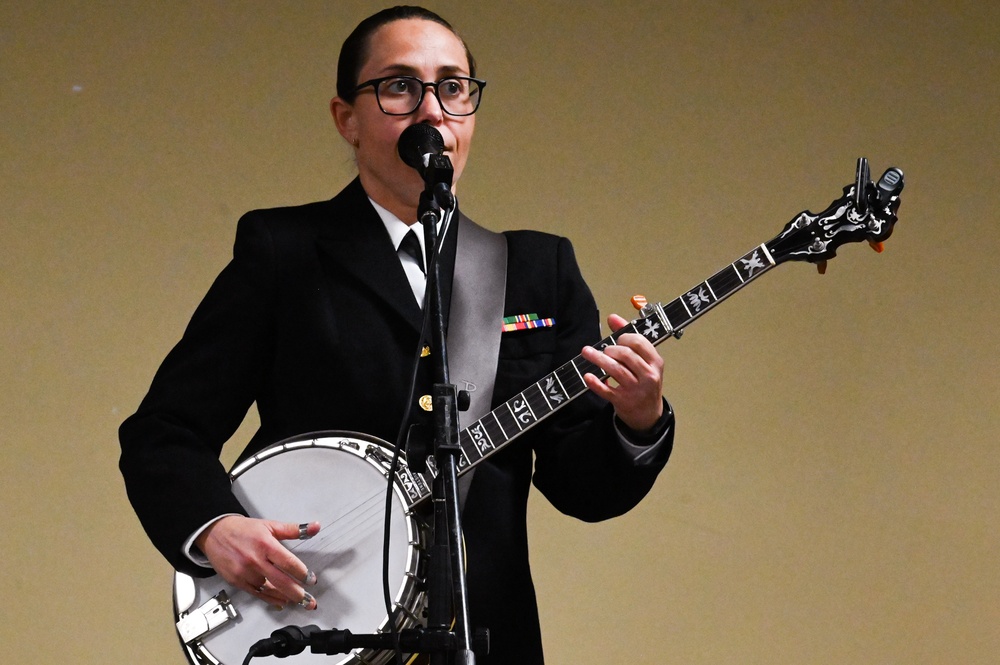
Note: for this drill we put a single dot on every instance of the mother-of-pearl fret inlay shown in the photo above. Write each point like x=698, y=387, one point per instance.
x=553, y=391
x=521, y=412
x=480, y=438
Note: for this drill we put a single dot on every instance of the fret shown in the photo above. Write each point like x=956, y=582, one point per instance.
x=571, y=379
x=507, y=421
x=493, y=430
x=586, y=367
x=624, y=330
x=708, y=283
x=726, y=281
x=666, y=319
x=677, y=314
x=496, y=414
x=536, y=400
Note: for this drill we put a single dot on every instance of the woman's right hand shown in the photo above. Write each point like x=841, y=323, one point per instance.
x=247, y=552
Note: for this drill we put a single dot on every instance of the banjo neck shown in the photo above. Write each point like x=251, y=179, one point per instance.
x=865, y=212
x=657, y=323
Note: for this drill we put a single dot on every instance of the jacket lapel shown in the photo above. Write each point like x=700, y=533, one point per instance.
x=357, y=247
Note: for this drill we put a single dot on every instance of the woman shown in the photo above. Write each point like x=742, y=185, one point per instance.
x=314, y=321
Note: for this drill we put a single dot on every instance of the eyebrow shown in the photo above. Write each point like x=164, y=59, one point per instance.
x=407, y=70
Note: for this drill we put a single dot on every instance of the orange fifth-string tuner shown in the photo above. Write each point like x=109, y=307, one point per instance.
x=878, y=246
x=638, y=301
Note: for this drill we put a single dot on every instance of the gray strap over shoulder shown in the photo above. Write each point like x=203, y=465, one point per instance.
x=474, y=322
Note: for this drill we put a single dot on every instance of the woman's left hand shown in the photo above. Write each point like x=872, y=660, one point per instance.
x=634, y=384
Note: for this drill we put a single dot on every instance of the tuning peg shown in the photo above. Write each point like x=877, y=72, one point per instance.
x=638, y=301
x=821, y=267
x=878, y=246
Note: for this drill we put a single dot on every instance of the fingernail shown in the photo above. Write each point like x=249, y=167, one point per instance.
x=311, y=578
x=307, y=600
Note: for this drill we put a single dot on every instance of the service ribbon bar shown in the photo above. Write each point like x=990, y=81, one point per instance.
x=525, y=322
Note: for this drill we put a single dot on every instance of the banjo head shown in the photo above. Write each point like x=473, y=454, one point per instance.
x=340, y=480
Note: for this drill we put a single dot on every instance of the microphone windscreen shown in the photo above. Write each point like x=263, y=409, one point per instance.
x=419, y=140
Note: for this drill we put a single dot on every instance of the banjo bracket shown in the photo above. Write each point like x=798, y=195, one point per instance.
x=215, y=612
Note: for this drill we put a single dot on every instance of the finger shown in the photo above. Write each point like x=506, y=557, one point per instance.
x=617, y=384
x=287, y=589
x=284, y=559
x=633, y=340
x=621, y=364
x=638, y=357
x=598, y=387
x=616, y=322
x=633, y=380
x=601, y=360
x=288, y=572
x=290, y=531
x=270, y=595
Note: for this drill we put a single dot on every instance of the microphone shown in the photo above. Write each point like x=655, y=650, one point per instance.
x=283, y=642
x=421, y=147
x=417, y=144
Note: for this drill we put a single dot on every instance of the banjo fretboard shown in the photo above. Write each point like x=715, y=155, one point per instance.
x=541, y=399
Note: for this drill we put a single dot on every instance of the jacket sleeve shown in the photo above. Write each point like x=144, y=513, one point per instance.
x=170, y=447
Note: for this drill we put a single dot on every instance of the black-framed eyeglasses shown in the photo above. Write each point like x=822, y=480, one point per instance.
x=402, y=95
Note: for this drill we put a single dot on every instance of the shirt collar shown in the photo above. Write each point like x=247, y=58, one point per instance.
x=397, y=228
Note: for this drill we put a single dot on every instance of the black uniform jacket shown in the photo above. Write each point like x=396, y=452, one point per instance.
x=314, y=320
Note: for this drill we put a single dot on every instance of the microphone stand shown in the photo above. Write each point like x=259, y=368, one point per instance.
x=446, y=581
x=446, y=572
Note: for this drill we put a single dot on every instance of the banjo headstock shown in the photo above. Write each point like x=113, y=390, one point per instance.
x=866, y=211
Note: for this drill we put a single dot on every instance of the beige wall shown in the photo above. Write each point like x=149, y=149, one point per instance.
x=833, y=493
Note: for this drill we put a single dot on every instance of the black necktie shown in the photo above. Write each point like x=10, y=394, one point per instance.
x=411, y=246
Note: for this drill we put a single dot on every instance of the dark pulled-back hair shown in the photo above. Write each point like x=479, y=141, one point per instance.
x=354, y=52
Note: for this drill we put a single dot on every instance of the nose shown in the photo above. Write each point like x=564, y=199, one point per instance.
x=430, y=110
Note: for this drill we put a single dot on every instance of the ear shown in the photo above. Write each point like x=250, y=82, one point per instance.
x=344, y=118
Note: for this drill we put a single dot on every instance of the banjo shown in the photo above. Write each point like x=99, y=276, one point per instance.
x=340, y=477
